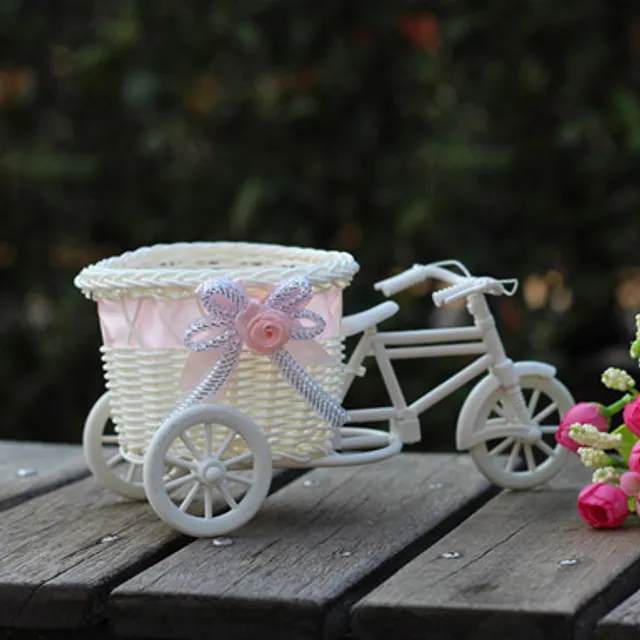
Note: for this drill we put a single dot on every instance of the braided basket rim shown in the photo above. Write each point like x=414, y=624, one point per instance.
x=126, y=275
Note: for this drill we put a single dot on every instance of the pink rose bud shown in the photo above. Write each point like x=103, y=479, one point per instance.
x=263, y=330
x=634, y=458
x=631, y=416
x=603, y=506
x=581, y=413
x=630, y=483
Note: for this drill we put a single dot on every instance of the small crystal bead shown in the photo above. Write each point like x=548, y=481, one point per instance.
x=451, y=555
x=110, y=537
x=569, y=562
x=26, y=473
x=222, y=542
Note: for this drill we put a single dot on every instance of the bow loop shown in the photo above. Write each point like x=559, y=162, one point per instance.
x=290, y=295
x=302, y=332
x=223, y=299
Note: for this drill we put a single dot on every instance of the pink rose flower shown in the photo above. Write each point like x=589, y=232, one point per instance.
x=634, y=458
x=603, y=506
x=630, y=483
x=263, y=330
x=581, y=413
x=631, y=416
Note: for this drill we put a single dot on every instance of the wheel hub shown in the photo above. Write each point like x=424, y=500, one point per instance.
x=533, y=435
x=211, y=471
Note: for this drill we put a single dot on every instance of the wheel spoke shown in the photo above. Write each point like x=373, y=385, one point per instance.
x=227, y=495
x=208, y=437
x=180, y=463
x=208, y=502
x=178, y=482
x=131, y=472
x=513, y=456
x=533, y=402
x=528, y=456
x=505, y=444
x=115, y=460
x=545, y=448
x=549, y=428
x=545, y=413
x=189, y=444
x=499, y=409
x=236, y=477
x=494, y=422
x=226, y=444
x=186, y=503
x=238, y=459
x=109, y=440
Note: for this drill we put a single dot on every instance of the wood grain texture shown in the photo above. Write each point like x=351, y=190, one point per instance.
x=56, y=465
x=56, y=569
x=293, y=572
x=510, y=582
x=623, y=623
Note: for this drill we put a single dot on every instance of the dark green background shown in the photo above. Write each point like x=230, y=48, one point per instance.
x=504, y=134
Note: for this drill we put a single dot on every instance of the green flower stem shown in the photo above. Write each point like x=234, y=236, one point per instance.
x=618, y=406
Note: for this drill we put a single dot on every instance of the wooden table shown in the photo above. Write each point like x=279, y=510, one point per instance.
x=419, y=546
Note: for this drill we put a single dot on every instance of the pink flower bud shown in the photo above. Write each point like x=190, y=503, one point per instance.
x=630, y=483
x=603, y=506
x=634, y=458
x=631, y=416
x=581, y=413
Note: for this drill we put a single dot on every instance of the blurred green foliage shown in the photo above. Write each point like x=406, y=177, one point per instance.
x=504, y=134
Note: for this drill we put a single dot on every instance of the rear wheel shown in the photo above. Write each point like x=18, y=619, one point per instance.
x=105, y=460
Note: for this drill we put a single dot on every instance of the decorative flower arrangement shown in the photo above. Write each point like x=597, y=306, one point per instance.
x=614, y=455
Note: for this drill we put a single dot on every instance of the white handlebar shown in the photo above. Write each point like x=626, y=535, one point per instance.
x=403, y=280
x=461, y=285
x=473, y=285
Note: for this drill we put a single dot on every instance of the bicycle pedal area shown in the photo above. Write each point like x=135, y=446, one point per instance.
x=417, y=546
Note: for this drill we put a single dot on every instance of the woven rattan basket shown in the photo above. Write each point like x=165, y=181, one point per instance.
x=148, y=295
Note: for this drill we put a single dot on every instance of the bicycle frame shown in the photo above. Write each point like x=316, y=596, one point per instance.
x=480, y=339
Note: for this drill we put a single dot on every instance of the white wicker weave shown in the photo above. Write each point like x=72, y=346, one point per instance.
x=144, y=383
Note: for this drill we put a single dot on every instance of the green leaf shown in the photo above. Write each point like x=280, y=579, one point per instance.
x=632, y=504
x=628, y=440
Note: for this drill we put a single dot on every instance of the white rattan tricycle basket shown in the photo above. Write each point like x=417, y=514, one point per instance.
x=145, y=299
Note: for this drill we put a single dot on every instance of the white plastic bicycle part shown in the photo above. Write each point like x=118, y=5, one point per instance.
x=109, y=467
x=378, y=445
x=474, y=285
x=497, y=454
x=359, y=322
x=222, y=452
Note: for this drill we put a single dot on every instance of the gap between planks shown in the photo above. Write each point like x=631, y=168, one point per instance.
x=55, y=569
x=53, y=466
x=510, y=581
x=293, y=572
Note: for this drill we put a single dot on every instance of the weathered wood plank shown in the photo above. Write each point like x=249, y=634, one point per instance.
x=61, y=554
x=28, y=469
x=623, y=623
x=529, y=569
x=294, y=571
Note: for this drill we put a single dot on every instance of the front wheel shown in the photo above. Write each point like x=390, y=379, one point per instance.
x=547, y=400
x=226, y=470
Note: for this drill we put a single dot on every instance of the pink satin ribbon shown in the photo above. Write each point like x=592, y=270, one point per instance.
x=152, y=323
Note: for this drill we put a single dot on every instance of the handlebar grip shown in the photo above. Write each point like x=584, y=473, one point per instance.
x=404, y=280
x=449, y=294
